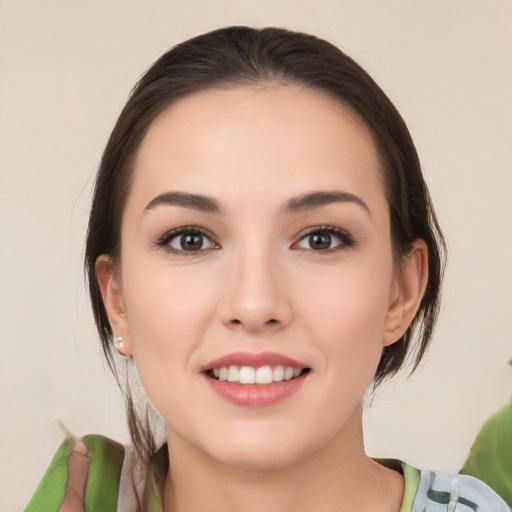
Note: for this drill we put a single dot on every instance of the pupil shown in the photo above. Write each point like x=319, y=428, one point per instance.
x=320, y=241
x=191, y=242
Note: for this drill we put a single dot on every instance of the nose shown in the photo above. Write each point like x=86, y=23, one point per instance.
x=256, y=296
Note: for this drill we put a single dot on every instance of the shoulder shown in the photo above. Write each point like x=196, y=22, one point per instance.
x=91, y=472
x=436, y=491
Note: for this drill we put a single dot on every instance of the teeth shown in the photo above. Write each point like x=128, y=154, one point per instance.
x=278, y=374
x=247, y=375
x=233, y=374
x=261, y=375
x=288, y=373
x=223, y=373
x=264, y=375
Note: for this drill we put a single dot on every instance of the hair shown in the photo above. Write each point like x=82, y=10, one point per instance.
x=242, y=56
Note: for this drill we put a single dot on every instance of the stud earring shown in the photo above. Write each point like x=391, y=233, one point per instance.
x=119, y=342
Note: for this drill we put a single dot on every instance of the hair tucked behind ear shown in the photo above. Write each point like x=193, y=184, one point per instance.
x=237, y=56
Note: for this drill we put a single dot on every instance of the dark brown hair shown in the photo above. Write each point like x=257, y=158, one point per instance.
x=239, y=56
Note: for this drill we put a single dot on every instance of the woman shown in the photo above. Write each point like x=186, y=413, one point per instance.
x=262, y=247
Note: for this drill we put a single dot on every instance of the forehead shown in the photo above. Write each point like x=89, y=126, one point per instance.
x=228, y=142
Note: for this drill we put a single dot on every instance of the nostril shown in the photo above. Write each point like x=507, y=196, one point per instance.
x=253, y=323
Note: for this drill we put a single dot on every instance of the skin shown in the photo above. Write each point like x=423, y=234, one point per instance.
x=258, y=285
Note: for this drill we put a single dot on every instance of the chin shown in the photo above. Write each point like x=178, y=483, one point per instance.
x=260, y=449
x=254, y=458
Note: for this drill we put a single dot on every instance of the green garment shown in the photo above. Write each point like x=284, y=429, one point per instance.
x=109, y=483
x=490, y=459
x=109, y=486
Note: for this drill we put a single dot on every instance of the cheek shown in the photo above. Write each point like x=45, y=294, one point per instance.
x=166, y=316
x=170, y=311
x=163, y=304
x=348, y=331
x=348, y=312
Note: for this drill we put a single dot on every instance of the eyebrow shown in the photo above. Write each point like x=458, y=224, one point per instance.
x=314, y=200
x=297, y=204
x=186, y=200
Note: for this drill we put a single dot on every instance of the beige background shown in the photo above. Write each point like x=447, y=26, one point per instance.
x=65, y=71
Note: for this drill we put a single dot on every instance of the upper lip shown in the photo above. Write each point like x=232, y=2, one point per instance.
x=255, y=360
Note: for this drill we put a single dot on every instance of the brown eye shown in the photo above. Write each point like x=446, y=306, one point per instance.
x=319, y=241
x=190, y=242
x=325, y=240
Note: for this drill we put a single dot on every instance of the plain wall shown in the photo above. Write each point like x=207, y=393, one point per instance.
x=66, y=69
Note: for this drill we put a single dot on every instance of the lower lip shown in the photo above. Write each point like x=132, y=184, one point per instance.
x=251, y=395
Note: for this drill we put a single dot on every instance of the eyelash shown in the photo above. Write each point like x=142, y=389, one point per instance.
x=168, y=237
x=345, y=239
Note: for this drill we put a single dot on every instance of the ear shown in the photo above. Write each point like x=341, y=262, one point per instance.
x=408, y=289
x=112, y=294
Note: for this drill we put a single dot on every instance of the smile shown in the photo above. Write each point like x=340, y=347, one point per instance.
x=262, y=375
x=255, y=379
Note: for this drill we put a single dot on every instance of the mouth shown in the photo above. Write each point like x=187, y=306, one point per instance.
x=260, y=376
x=255, y=380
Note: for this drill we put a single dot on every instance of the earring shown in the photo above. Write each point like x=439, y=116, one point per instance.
x=119, y=342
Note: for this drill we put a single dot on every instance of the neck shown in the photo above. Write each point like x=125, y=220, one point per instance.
x=338, y=477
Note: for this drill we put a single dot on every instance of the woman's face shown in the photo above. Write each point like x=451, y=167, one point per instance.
x=256, y=246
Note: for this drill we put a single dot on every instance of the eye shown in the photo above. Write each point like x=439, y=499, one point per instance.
x=325, y=239
x=186, y=240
